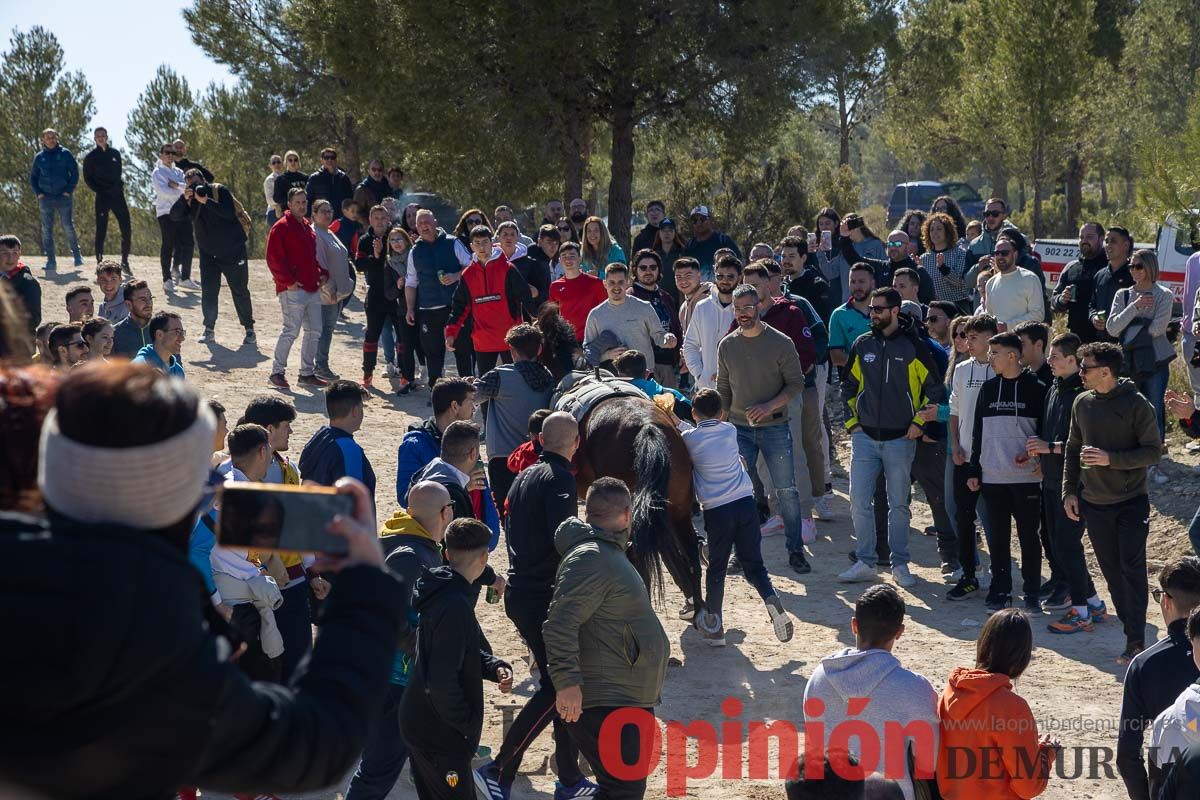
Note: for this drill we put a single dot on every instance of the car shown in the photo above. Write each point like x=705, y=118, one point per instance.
x=920, y=195
x=445, y=211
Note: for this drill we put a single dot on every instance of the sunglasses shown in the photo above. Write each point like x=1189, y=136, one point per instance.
x=292, y=160
x=993, y=213
x=649, y=266
x=878, y=309
x=276, y=163
x=960, y=335
x=1005, y=252
x=167, y=153
x=475, y=221
x=1086, y=367
x=565, y=228
x=1136, y=265
x=699, y=219
x=896, y=243
x=80, y=343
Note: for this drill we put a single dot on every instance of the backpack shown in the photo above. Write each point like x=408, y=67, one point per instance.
x=239, y=210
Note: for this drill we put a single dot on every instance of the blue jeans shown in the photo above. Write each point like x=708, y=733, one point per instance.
x=775, y=444
x=62, y=205
x=384, y=755
x=1153, y=388
x=272, y=218
x=894, y=459
x=329, y=318
x=387, y=341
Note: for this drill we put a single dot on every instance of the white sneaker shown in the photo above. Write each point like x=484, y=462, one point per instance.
x=190, y=284
x=168, y=285
x=808, y=531
x=902, y=576
x=821, y=509
x=773, y=527
x=858, y=572
x=175, y=276
x=391, y=371
x=209, y=335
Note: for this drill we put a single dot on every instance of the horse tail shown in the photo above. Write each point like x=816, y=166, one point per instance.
x=650, y=530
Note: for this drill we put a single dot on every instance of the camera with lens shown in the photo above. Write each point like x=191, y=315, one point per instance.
x=202, y=190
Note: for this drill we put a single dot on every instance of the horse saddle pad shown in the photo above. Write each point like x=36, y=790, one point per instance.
x=578, y=392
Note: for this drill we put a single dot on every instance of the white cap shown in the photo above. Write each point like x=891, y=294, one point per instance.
x=701, y=210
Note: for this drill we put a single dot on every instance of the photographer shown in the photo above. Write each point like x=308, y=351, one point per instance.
x=222, y=243
x=161, y=654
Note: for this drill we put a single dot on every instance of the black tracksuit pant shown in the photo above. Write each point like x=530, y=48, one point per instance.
x=527, y=609
x=116, y=204
x=1021, y=502
x=237, y=275
x=965, y=502
x=439, y=776
x=431, y=325
x=177, y=246
x=1118, y=533
x=586, y=733
x=1066, y=542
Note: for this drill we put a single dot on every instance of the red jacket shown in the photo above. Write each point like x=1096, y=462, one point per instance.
x=292, y=254
x=490, y=296
x=576, y=297
x=790, y=320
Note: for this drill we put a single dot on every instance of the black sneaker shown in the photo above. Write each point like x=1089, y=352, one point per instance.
x=1048, y=588
x=963, y=589
x=1130, y=652
x=998, y=602
x=1060, y=600
x=799, y=563
x=1033, y=605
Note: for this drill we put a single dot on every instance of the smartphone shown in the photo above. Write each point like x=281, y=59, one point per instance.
x=812, y=243
x=271, y=516
x=826, y=240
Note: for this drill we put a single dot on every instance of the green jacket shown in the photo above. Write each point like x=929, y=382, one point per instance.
x=601, y=632
x=1123, y=424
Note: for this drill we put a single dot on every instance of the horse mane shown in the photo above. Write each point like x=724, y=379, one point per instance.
x=558, y=340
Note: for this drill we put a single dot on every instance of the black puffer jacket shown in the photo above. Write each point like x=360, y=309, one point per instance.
x=126, y=692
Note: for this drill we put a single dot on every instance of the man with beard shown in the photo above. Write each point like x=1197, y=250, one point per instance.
x=691, y=291
x=898, y=258
x=889, y=372
x=552, y=212
x=1115, y=276
x=803, y=278
x=709, y=322
x=131, y=334
x=578, y=214
x=758, y=374
x=851, y=320
x=647, y=272
x=1077, y=283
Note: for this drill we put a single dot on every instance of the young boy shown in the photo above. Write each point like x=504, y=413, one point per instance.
x=726, y=496
x=969, y=377
x=632, y=364
x=1084, y=606
x=332, y=453
x=441, y=714
x=1007, y=412
x=530, y=449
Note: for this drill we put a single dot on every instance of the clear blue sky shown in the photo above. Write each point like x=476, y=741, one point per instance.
x=117, y=45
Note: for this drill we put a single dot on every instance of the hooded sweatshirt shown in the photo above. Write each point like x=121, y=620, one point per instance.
x=514, y=392
x=1056, y=424
x=410, y=550
x=442, y=709
x=1007, y=412
x=420, y=445
x=601, y=632
x=982, y=718
x=1122, y=423
x=27, y=288
x=895, y=695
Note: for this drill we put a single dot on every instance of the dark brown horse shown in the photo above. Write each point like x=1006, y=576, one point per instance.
x=633, y=440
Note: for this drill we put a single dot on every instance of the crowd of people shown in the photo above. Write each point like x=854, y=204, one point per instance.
x=932, y=350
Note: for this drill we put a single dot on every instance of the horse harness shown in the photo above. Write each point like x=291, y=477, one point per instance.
x=579, y=392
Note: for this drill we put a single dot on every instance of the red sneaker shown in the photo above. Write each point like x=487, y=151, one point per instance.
x=279, y=381
x=367, y=381
x=312, y=380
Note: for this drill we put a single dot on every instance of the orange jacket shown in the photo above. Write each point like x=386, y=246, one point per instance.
x=989, y=741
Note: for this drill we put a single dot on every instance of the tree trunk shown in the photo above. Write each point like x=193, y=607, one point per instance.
x=620, y=185
x=1074, y=192
x=575, y=145
x=351, y=155
x=998, y=174
x=843, y=126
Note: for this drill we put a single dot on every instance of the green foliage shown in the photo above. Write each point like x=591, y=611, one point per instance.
x=163, y=113
x=38, y=94
x=1171, y=183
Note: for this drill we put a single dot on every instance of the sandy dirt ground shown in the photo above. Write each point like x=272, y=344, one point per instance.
x=1073, y=684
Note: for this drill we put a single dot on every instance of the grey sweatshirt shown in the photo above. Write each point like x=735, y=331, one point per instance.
x=634, y=322
x=514, y=392
x=895, y=695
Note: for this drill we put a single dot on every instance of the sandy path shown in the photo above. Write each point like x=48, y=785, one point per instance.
x=1072, y=682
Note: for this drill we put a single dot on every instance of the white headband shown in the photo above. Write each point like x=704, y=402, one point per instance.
x=146, y=487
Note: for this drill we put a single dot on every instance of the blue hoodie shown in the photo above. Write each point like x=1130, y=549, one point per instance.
x=895, y=695
x=148, y=355
x=54, y=172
